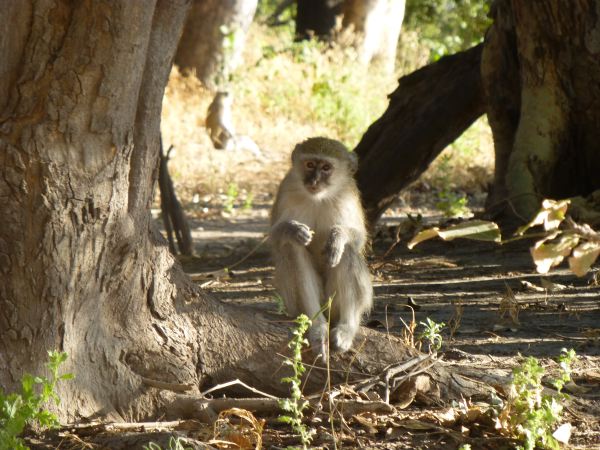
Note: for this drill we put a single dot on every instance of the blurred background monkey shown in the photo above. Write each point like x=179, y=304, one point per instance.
x=318, y=238
x=219, y=123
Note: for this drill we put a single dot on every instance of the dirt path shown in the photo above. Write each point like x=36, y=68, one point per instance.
x=464, y=284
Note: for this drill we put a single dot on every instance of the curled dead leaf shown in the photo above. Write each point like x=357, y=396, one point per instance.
x=480, y=230
x=583, y=257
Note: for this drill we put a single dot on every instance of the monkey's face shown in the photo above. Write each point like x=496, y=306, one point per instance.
x=317, y=175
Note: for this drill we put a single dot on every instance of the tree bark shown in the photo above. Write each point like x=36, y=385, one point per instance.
x=541, y=68
x=203, y=47
x=429, y=110
x=82, y=266
x=376, y=25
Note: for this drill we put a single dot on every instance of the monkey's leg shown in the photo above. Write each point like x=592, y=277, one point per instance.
x=349, y=283
x=298, y=282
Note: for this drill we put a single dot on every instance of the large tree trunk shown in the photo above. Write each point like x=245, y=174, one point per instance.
x=541, y=67
x=82, y=267
x=204, y=48
x=376, y=25
x=429, y=110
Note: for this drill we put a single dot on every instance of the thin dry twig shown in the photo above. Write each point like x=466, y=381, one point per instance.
x=238, y=382
x=391, y=371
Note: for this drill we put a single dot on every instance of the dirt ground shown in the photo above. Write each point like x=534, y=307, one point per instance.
x=490, y=296
x=495, y=305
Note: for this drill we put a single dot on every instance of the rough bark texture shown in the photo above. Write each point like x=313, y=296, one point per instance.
x=82, y=267
x=430, y=109
x=541, y=68
x=201, y=47
x=377, y=25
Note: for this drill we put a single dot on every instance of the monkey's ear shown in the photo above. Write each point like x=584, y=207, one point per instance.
x=353, y=162
x=295, y=153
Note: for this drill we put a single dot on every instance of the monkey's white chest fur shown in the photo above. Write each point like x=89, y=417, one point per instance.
x=322, y=214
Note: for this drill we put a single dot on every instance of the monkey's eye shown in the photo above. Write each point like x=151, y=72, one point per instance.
x=326, y=167
x=309, y=165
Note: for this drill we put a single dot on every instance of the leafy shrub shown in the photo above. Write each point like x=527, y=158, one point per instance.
x=26, y=407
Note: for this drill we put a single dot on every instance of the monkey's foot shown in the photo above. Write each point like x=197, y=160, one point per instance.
x=342, y=337
x=317, y=336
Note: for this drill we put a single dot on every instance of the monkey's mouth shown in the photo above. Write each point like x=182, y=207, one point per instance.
x=313, y=189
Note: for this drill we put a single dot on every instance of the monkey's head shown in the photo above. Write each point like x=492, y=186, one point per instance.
x=224, y=97
x=324, y=165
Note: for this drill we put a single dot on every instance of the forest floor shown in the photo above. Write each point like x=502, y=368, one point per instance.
x=495, y=305
x=498, y=310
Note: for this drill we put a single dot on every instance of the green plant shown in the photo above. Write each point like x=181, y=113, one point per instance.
x=431, y=333
x=280, y=303
x=449, y=202
x=295, y=405
x=19, y=409
x=248, y=201
x=447, y=26
x=174, y=444
x=529, y=414
x=452, y=204
x=230, y=197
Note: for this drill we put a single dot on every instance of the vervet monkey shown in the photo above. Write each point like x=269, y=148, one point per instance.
x=220, y=127
x=318, y=238
x=219, y=123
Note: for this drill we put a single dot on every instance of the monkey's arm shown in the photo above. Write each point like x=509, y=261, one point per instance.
x=339, y=237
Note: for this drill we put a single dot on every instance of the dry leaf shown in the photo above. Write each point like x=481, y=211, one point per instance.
x=583, y=257
x=531, y=287
x=551, y=215
x=563, y=433
x=547, y=255
x=550, y=286
x=480, y=230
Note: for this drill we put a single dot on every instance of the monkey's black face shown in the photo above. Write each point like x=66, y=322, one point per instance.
x=317, y=174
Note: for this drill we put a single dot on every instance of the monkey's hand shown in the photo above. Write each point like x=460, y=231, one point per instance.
x=334, y=248
x=298, y=232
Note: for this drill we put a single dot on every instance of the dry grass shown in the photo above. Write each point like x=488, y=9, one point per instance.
x=283, y=93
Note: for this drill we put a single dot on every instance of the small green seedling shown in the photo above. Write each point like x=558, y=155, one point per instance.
x=432, y=334
x=231, y=196
x=295, y=405
x=26, y=407
x=530, y=415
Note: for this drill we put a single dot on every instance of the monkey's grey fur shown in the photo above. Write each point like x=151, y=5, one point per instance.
x=318, y=239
